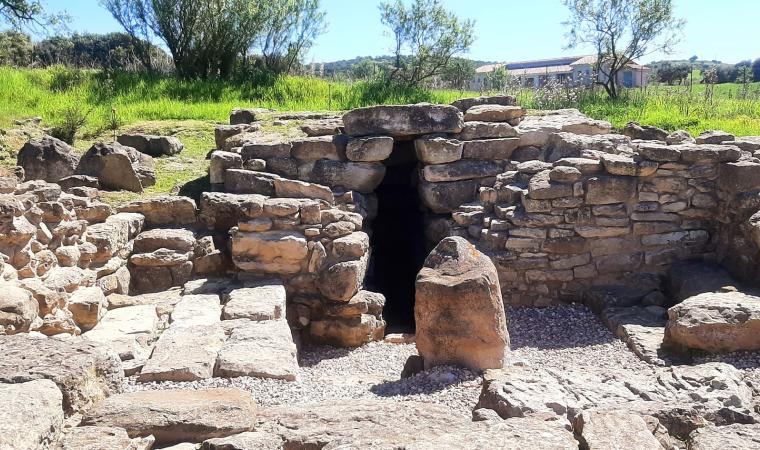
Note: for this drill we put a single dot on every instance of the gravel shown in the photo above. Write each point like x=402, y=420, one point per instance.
x=563, y=337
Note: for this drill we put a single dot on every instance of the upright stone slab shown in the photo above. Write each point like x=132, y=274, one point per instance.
x=459, y=311
x=407, y=120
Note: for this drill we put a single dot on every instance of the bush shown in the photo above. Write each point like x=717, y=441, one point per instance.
x=72, y=118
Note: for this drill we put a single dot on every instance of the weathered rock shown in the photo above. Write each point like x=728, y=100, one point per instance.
x=438, y=150
x=445, y=197
x=486, y=130
x=270, y=251
x=263, y=302
x=714, y=137
x=103, y=438
x=177, y=415
x=614, y=429
x=244, y=115
x=408, y=424
x=644, y=132
x=369, y=149
x=239, y=181
x=358, y=176
x=222, y=211
x=128, y=330
x=179, y=240
x=245, y=441
x=323, y=127
x=31, y=416
x=607, y=190
x=152, y=145
x=184, y=353
x=88, y=305
x=18, y=309
x=223, y=132
x=48, y=159
x=679, y=137
x=347, y=332
x=465, y=169
x=628, y=166
x=715, y=322
x=537, y=130
x=342, y=280
x=456, y=277
x=709, y=153
x=197, y=309
x=163, y=210
x=493, y=113
x=739, y=176
x=499, y=149
x=118, y=167
x=259, y=349
x=316, y=148
x=465, y=104
x=84, y=371
x=408, y=120
x=220, y=162
x=733, y=437
x=300, y=189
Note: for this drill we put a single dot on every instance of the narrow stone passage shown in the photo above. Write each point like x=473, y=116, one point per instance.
x=398, y=239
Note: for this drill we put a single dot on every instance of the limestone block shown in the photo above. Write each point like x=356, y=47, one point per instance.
x=438, y=150
x=407, y=120
x=262, y=349
x=270, y=251
x=369, y=149
x=184, y=353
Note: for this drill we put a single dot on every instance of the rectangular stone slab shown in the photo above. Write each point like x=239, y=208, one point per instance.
x=259, y=349
x=184, y=353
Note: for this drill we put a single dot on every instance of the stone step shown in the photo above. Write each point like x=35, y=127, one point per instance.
x=259, y=349
x=184, y=353
x=201, y=309
x=129, y=331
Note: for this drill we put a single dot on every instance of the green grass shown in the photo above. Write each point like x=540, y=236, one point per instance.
x=668, y=107
x=48, y=92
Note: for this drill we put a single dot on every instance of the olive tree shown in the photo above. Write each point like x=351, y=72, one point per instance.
x=289, y=31
x=426, y=37
x=206, y=38
x=21, y=14
x=622, y=31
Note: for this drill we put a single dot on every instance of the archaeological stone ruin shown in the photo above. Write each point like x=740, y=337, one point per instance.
x=469, y=276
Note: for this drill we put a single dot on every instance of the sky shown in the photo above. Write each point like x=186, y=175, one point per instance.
x=505, y=30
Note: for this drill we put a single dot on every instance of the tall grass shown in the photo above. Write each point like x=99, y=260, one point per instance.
x=668, y=107
x=138, y=97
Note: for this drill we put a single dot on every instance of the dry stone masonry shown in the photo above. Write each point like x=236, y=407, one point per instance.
x=208, y=300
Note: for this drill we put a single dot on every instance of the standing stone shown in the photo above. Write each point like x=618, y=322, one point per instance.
x=118, y=167
x=48, y=159
x=459, y=310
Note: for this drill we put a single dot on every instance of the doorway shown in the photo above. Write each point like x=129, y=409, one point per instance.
x=398, y=238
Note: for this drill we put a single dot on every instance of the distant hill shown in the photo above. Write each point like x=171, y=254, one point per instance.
x=342, y=67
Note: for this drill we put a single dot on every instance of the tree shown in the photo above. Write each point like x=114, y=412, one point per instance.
x=428, y=35
x=621, y=31
x=204, y=37
x=16, y=49
x=458, y=73
x=21, y=14
x=289, y=32
x=497, y=79
x=756, y=70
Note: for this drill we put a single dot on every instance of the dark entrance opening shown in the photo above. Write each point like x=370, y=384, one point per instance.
x=398, y=238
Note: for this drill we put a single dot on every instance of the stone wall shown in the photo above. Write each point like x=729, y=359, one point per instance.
x=556, y=200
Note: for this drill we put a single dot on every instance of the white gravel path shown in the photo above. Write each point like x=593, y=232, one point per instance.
x=562, y=337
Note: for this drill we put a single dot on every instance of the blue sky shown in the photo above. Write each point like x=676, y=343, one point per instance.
x=506, y=30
